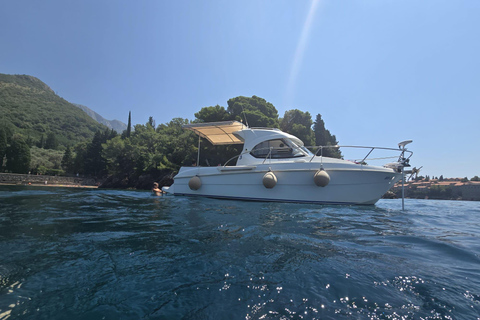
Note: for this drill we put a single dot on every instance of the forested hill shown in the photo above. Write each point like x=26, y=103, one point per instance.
x=28, y=106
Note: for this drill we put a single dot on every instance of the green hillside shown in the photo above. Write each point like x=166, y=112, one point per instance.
x=30, y=107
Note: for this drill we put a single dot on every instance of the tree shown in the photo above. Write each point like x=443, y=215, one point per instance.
x=213, y=114
x=18, y=155
x=80, y=157
x=149, y=149
x=151, y=122
x=146, y=147
x=9, y=129
x=67, y=161
x=299, y=124
x=129, y=125
x=176, y=144
x=94, y=162
x=41, y=142
x=108, y=134
x=30, y=141
x=323, y=137
x=118, y=155
x=476, y=178
x=257, y=112
x=46, y=161
x=3, y=145
x=51, y=142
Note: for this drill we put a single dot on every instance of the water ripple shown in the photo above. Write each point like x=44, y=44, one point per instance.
x=88, y=254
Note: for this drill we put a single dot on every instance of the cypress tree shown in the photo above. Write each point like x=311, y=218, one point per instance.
x=18, y=156
x=323, y=137
x=299, y=124
x=151, y=122
x=41, y=143
x=129, y=126
x=51, y=142
x=67, y=160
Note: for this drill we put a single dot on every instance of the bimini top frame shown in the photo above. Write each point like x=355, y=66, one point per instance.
x=218, y=133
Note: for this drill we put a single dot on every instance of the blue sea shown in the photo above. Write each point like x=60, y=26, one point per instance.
x=70, y=253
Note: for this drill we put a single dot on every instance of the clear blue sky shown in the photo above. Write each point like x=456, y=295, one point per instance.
x=378, y=71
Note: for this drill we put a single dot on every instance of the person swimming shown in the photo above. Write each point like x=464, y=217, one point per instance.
x=156, y=190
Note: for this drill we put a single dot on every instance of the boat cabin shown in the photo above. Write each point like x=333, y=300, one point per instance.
x=259, y=143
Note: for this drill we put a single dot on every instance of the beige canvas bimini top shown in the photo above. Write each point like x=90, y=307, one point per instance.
x=218, y=133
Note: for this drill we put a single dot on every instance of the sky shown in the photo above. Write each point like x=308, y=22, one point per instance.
x=378, y=71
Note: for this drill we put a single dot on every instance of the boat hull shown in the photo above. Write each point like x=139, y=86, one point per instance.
x=348, y=185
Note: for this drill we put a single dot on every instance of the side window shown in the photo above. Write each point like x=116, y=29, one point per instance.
x=279, y=149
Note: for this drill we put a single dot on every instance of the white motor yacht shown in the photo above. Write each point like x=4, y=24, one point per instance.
x=276, y=166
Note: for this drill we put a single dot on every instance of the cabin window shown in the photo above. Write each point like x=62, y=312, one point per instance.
x=280, y=149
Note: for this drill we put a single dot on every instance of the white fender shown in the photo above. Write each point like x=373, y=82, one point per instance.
x=195, y=183
x=269, y=180
x=321, y=178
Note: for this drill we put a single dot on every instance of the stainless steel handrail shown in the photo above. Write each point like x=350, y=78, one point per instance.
x=320, y=149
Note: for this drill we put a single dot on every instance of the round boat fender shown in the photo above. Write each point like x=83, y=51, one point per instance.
x=195, y=183
x=321, y=178
x=269, y=180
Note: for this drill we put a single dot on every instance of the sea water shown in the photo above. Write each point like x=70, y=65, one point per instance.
x=102, y=254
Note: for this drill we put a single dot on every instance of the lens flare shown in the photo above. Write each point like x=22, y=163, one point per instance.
x=300, y=51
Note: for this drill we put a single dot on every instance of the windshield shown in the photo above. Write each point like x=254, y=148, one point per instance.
x=279, y=149
x=299, y=149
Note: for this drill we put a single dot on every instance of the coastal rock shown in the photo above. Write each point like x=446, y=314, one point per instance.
x=389, y=195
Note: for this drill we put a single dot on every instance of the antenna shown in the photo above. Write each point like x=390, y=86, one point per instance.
x=245, y=116
x=402, y=144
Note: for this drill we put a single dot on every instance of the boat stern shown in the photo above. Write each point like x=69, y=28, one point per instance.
x=169, y=190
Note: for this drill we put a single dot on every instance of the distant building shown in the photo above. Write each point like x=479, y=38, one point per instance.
x=448, y=189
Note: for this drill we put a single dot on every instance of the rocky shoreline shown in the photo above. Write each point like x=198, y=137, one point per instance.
x=43, y=180
x=120, y=181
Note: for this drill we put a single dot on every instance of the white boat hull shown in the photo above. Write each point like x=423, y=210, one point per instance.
x=353, y=184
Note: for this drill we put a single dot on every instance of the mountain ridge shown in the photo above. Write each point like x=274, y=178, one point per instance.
x=30, y=107
x=116, y=125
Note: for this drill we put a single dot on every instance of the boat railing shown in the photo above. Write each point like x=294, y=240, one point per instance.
x=317, y=151
x=269, y=155
x=401, y=157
